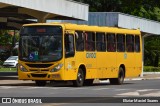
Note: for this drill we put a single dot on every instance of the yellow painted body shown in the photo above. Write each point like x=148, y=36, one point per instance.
x=104, y=65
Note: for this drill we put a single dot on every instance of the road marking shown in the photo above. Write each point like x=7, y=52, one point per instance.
x=54, y=88
x=101, y=89
x=35, y=87
x=145, y=90
x=6, y=87
x=120, y=89
x=77, y=88
x=104, y=81
x=129, y=94
x=155, y=94
x=58, y=88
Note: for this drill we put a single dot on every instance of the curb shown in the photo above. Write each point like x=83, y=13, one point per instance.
x=146, y=73
x=8, y=73
x=132, y=79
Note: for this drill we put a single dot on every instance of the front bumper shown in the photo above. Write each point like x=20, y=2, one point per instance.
x=39, y=76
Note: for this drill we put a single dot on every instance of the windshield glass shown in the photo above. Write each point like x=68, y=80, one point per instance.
x=13, y=58
x=41, y=46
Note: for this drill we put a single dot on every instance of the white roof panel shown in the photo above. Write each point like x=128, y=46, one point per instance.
x=117, y=19
x=66, y=8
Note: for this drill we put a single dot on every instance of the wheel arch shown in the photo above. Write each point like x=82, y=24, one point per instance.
x=82, y=66
x=124, y=69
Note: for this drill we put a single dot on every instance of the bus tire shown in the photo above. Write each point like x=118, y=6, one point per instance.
x=120, y=79
x=88, y=82
x=40, y=83
x=80, y=78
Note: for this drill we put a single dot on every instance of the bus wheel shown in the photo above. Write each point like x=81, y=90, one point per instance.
x=120, y=79
x=80, y=79
x=88, y=82
x=40, y=83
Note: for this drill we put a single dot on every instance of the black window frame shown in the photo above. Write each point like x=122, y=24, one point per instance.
x=69, y=53
x=101, y=42
x=111, y=45
x=137, y=44
x=120, y=42
x=129, y=44
x=79, y=43
x=89, y=41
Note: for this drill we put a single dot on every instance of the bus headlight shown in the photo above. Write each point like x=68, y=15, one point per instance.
x=22, y=68
x=57, y=68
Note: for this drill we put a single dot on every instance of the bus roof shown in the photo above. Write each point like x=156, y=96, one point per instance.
x=70, y=26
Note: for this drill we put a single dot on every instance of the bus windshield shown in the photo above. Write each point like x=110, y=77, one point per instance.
x=40, y=44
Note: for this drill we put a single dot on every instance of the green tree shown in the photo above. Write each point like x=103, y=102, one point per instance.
x=143, y=8
x=152, y=50
x=5, y=38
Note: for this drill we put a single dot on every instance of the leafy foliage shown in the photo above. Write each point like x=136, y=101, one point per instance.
x=152, y=50
x=5, y=38
x=143, y=8
x=151, y=69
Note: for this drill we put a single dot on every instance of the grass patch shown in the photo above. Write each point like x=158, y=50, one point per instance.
x=151, y=69
x=2, y=69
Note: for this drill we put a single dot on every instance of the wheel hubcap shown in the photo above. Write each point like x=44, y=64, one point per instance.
x=121, y=77
x=79, y=78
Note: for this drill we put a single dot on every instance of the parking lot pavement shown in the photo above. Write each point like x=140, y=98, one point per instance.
x=13, y=80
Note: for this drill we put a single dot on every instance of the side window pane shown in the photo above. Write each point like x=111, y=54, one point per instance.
x=130, y=43
x=90, y=41
x=69, y=45
x=100, y=42
x=120, y=42
x=137, y=44
x=79, y=41
x=111, y=43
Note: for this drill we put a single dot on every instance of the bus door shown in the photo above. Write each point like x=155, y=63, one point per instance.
x=69, y=48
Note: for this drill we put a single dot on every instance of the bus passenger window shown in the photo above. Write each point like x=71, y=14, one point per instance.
x=100, y=42
x=120, y=42
x=137, y=44
x=130, y=43
x=90, y=41
x=111, y=43
x=69, y=45
x=79, y=41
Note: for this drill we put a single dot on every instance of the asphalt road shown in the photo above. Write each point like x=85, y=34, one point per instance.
x=99, y=92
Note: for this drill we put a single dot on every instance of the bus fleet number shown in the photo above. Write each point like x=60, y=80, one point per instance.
x=90, y=55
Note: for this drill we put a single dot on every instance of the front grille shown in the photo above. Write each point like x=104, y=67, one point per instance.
x=33, y=70
x=39, y=75
x=38, y=70
x=44, y=70
x=8, y=65
x=39, y=65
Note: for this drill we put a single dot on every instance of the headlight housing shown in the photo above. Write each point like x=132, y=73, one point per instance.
x=22, y=68
x=57, y=68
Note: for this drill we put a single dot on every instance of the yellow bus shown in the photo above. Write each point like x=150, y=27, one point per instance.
x=78, y=53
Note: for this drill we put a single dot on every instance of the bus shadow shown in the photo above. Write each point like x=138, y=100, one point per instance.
x=93, y=85
x=8, y=78
x=8, y=82
x=19, y=84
